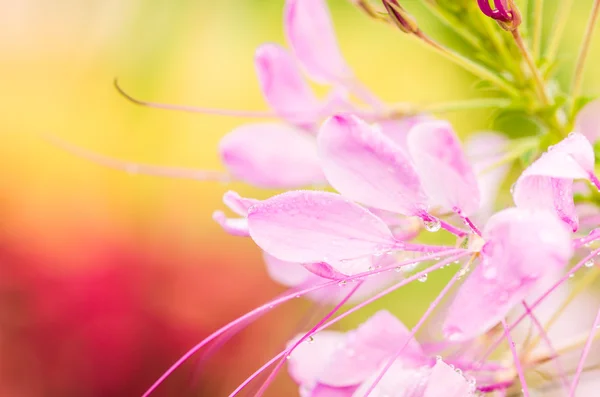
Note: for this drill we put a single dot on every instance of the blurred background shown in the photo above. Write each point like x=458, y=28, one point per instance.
x=107, y=278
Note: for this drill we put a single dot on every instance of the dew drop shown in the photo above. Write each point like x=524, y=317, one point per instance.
x=310, y=339
x=571, y=275
x=342, y=283
x=398, y=269
x=589, y=263
x=298, y=296
x=423, y=278
x=458, y=371
x=432, y=225
x=512, y=189
x=438, y=358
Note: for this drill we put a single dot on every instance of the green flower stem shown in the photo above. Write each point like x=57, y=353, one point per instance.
x=467, y=104
x=582, y=57
x=443, y=18
x=535, y=72
x=468, y=65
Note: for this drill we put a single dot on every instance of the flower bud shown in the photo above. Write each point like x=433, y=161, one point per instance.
x=504, y=11
x=401, y=18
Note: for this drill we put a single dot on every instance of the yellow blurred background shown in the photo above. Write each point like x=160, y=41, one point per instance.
x=107, y=278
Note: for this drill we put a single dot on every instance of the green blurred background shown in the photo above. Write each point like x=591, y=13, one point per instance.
x=107, y=278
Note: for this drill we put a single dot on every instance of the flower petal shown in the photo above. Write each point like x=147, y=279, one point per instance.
x=310, y=33
x=397, y=130
x=284, y=87
x=445, y=173
x=548, y=182
x=366, y=166
x=309, y=358
x=366, y=348
x=328, y=391
x=521, y=247
x=271, y=155
x=237, y=203
x=484, y=150
x=445, y=381
x=398, y=381
x=312, y=227
x=588, y=121
x=234, y=226
x=289, y=274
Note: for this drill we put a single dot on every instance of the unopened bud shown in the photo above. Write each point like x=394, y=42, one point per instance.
x=505, y=12
x=401, y=18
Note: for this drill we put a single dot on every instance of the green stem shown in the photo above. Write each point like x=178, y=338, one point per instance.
x=558, y=28
x=467, y=104
x=535, y=72
x=583, y=52
x=536, y=41
x=460, y=30
x=468, y=65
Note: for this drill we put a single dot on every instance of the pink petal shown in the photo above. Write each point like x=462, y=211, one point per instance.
x=588, y=121
x=397, y=130
x=445, y=173
x=445, y=381
x=310, y=357
x=290, y=274
x=398, y=381
x=521, y=246
x=312, y=227
x=284, y=87
x=484, y=150
x=271, y=155
x=327, y=391
x=239, y=205
x=234, y=226
x=367, y=348
x=548, y=182
x=310, y=33
x=366, y=166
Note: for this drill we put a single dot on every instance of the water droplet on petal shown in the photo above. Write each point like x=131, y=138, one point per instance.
x=423, y=278
x=398, y=269
x=310, y=339
x=438, y=358
x=432, y=225
x=342, y=283
x=571, y=275
x=512, y=189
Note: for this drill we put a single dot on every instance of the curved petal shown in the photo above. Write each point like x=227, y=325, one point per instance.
x=271, y=155
x=445, y=381
x=445, y=173
x=521, y=247
x=548, y=182
x=366, y=348
x=309, y=358
x=366, y=166
x=484, y=150
x=284, y=87
x=328, y=391
x=237, y=203
x=312, y=227
x=397, y=130
x=234, y=226
x=588, y=121
x=290, y=274
x=310, y=33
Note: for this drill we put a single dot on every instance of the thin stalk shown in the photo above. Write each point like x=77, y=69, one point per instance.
x=582, y=57
x=443, y=18
x=558, y=27
x=516, y=359
x=584, y=354
x=468, y=65
x=536, y=40
x=535, y=72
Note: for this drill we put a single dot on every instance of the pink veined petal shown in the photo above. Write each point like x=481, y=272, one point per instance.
x=308, y=359
x=548, y=182
x=312, y=227
x=521, y=247
x=271, y=155
x=284, y=87
x=399, y=381
x=310, y=33
x=445, y=381
x=484, y=149
x=366, y=166
x=445, y=173
x=367, y=348
x=397, y=130
x=588, y=121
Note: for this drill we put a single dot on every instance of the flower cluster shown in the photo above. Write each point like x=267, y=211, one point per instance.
x=508, y=321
